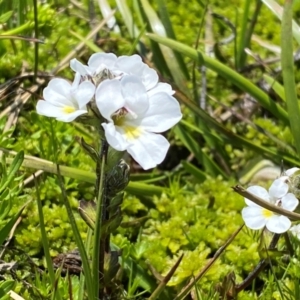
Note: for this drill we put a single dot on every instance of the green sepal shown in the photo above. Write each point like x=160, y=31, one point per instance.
x=112, y=224
x=113, y=158
x=111, y=266
x=87, y=210
x=88, y=149
x=115, y=203
x=117, y=179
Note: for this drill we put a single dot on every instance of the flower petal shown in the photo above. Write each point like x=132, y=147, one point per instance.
x=109, y=98
x=47, y=109
x=149, y=150
x=163, y=113
x=258, y=191
x=161, y=87
x=134, y=93
x=253, y=217
x=149, y=77
x=133, y=65
x=76, y=81
x=100, y=61
x=130, y=64
x=289, y=202
x=278, y=189
x=58, y=92
x=71, y=116
x=84, y=93
x=115, y=136
x=80, y=68
x=278, y=224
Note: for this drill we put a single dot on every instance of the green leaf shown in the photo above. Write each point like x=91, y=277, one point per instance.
x=6, y=16
x=4, y=232
x=276, y=86
x=136, y=188
x=287, y=62
x=208, y=164
x=15, y=166
x=87, y=210
x=5, y=287
x=127, y=18
x=200, y=175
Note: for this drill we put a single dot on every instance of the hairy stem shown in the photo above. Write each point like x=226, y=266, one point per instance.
x=99, y=246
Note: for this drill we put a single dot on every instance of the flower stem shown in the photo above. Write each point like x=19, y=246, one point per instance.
x=98, y=249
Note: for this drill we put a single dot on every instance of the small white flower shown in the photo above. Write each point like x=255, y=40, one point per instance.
x=101, y=64
x=134, y=118
x=64, y=101
x=295, y=230
x=257, y=217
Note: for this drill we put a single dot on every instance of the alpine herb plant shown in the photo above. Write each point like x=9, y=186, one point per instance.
x=125, y=96
x=128, y=108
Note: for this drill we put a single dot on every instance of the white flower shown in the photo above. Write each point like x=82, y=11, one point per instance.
x=64, y=101
x=257, y=217
x=295, y=230
x=134, y=118
x=110, y=66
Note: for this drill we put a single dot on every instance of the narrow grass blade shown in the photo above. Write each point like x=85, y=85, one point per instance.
x=157, y=54
x=136, y=188
x=165, y=19
x=83, y=254
x=276, y=86
x=237, y=140
x=209, y=165
x=278, y=11
x=227, y=73
x=90, y=44
x=14, y=168
x=88, y=243
x=287, y=62
x=107, y=12
x=46, y=244
x=247, y=35
x=4, y=232
x=128, y=18
x=168, y=54
x=241, y=54
x=196, y=172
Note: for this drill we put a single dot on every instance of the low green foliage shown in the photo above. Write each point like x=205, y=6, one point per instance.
x=198, y=211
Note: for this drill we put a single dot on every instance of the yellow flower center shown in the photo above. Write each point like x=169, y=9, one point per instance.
x=131, y=132
x=267, y=213
x=68, y=109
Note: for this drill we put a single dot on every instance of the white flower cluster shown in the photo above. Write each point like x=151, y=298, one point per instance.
x=129, y=97
x=257, y=217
